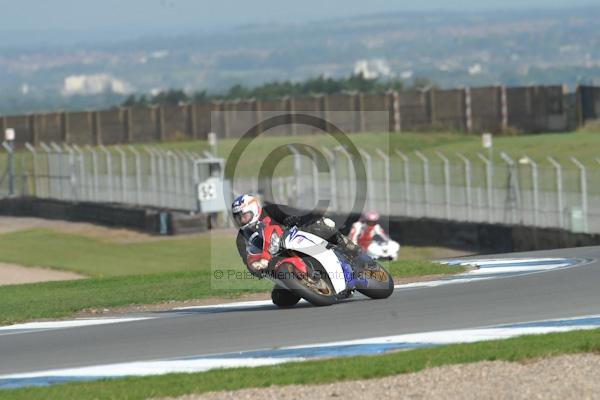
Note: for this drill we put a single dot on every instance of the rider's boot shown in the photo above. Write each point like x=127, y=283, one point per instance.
x=344, y=242
x=360, y=259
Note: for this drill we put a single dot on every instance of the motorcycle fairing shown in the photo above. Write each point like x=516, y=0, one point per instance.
x=316, y=247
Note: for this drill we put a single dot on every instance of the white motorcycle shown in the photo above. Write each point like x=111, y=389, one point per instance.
x=383, y=248
x=303, y=265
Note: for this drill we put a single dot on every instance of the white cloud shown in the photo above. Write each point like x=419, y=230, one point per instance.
x=372, y=69
x=94, y=84
x=475, y=69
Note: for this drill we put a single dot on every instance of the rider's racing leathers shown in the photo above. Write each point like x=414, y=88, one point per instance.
x=250, y=238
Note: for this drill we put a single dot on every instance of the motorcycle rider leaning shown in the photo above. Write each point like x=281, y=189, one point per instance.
x=250, y=217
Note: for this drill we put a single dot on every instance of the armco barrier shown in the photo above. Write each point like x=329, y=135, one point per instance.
x=153, y=221
x=475, y=237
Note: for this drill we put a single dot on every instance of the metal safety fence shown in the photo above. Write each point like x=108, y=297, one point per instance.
x=461, y=187
x=145, y=176
x=542, y=192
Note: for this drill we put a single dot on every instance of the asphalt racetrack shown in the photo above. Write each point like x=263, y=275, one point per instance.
x=559, y=293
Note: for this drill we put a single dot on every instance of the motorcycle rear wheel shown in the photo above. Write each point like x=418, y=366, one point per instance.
x=284, y=298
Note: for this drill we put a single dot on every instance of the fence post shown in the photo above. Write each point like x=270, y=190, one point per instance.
x=178, y=183
x=425, y=179
x=138, y=175
x=297, y=172
x=108, y=158
x=559, y=191
x=584, y=191
x=446, y=182
x=350, y=170
x=162, y=166
x=171, y=182
x=153, y=174
x=467, y=164
x=72, y=175
x=123, y=173
x=59, y=152
x=512, y=185
x=535, y=187
x=94, y=171
x=11, y=176
x=81, y=163
x=370, y=182
x=34, y=167
x=488, y=181
x=406, y=180
x=185, y=178
x=315, y=175
x=332, y=177
x=386, y=172
x=162, y=181
x=48, y=151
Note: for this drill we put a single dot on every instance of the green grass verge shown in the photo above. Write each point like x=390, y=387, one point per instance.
x=61, y=299
x=323, y=371
x=134, y=273
x=102, y=258
x=98, y=258
x=412, y=268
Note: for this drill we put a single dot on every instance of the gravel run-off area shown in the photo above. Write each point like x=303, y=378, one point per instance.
x=11, y=274
x=561, y=377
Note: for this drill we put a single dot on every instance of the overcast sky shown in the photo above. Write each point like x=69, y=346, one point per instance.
x=142, y=17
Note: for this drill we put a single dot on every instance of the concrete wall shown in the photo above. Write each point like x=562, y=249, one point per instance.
x=495, y=109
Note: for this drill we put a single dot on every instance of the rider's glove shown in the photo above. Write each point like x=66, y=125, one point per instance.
x=260, y=265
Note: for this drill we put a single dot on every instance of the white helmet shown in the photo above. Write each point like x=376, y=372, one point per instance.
x=246, y=210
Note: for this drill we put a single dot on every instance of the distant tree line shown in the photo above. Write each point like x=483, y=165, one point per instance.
x=273, y=90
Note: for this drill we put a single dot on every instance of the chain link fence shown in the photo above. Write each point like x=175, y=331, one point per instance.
x=147, y=176
x=463, y=187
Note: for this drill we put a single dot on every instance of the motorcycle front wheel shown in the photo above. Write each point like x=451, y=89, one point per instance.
x=314, y=287
x=380, y=282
